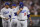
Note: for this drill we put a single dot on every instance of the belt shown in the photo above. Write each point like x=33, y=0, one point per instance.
x=21, y=20
x=12, y=18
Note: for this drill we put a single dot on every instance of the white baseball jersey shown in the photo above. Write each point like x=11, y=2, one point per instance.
x=14, y=19
x=5, y=12
x=23, y=14
x=14, y=11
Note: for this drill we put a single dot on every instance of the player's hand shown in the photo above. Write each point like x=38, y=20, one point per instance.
x=31, y=23
x=6, y=18
x=21, y=9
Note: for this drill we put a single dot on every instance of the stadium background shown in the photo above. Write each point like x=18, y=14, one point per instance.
x=33, y=5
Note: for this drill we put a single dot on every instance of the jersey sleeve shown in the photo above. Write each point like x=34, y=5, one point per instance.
x=17, y=8
x=2, y=14
x=28, y=12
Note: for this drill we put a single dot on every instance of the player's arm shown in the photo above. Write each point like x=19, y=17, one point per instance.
x=2, y=14
x=29, y=17
x=30, y=20
x=21, y=7
x=3, y=17
x=28, y=14
x=19, y=11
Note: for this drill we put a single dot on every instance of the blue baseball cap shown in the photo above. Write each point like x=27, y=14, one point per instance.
x=21, y=5
x=7, y=3
x=13, y=5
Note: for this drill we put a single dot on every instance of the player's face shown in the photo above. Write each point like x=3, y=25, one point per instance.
x=13, y=6
x=7, y=6
x=21, y=8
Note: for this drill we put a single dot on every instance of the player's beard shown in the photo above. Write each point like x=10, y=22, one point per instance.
x=7, y=7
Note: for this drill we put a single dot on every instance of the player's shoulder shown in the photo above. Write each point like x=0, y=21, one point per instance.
x=25, y=7
x=3, y=8
x=17, y=7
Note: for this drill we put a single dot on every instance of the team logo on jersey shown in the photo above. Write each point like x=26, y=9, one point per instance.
x=23, y=11
x=24, y=14
x=6, y=12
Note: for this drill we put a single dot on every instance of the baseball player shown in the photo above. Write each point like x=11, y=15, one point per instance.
x=14, y=21
x=5, y=15
x=23, y=14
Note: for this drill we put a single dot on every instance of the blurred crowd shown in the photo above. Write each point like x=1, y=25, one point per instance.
x=33, y=5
